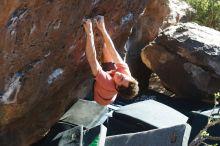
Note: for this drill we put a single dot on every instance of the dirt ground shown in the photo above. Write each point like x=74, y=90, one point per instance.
x=155, y=84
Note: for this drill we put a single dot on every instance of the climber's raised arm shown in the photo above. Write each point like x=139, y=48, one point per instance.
x=99, y=20
x=90, y=47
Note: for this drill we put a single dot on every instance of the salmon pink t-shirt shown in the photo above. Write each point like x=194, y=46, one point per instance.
x=104, y=87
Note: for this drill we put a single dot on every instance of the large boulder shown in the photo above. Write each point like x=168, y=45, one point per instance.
x=186, y=57
x=157, y=15
x=42, y=59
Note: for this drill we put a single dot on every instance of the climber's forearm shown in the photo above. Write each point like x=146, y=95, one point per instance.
x=91, y=54
x=111, y=48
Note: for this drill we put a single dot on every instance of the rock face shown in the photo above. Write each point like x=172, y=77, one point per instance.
x=186, y=57
x=157, y=15
x=42, y=59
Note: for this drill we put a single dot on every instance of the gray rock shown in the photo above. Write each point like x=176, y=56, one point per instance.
x=146, y=30
x=186, y=57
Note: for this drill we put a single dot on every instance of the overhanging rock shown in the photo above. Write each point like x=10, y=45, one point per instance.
x=42, y=59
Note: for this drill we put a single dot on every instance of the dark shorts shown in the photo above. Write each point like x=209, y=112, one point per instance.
x=107, y=66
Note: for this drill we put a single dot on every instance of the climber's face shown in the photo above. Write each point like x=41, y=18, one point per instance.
x=121, y=79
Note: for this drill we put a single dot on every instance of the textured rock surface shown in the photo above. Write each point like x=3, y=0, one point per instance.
x=158, y=15
x=42, y=59
x=186, y=57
